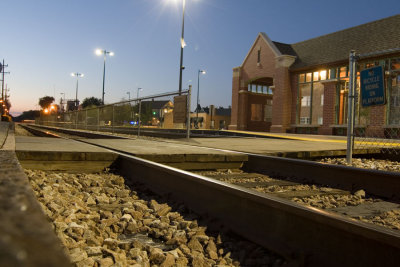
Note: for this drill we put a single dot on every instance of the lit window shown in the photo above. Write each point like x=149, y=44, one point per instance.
x=305, y=101
x=302, y=78
x=308, y=77
x=343, y=72
x=323, y=75
x=316, y=76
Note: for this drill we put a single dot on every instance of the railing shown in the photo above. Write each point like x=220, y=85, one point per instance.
x=131, y=116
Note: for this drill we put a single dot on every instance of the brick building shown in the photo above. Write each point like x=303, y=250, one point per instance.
x=303, y=87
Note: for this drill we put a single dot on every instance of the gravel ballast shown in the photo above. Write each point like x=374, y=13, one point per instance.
x=103, y=222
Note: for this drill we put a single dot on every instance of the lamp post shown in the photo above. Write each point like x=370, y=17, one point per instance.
x=139, y=89
x=129, y=96
x=104, y=52
x=77, y=75
x=62, y=102
x=182, y=46
x=198, y=99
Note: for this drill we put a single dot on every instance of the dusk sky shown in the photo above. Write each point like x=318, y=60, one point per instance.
x=43, y=41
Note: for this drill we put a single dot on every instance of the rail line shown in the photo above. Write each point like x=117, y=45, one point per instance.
x=305, y=235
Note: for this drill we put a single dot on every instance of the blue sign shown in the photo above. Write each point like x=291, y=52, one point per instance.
x=372, y=87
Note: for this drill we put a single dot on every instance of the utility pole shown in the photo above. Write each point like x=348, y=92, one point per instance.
x=2, y=69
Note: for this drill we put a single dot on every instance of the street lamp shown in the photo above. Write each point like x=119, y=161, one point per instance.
x=77, y=75
x=104, y=52
x=139, y=89
x=62, y=102
x=198, y=100
x=129, y=96
x=182, y=46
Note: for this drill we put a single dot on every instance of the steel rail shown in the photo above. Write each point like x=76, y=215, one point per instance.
x=375, y=182
x=305, y=235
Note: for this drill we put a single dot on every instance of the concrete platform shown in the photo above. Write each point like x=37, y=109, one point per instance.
x=68, y=155
x=179, y=155
x=56, y=154
x=292, y=148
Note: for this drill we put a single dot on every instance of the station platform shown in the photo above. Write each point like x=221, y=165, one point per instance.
x=195, y=151
x=47, y=153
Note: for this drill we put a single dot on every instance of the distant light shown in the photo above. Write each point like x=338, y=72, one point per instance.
x=183, y=44
x=132, y=123
x=46, y=110
x=99, y=52
x=111, y=53
x=203, y=72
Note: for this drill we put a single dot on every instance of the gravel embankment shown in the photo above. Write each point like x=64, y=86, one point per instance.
x=102, y=222
x=373, y=164
x=19, y=131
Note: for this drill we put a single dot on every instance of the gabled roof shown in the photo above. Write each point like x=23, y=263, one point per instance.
x=371, y=37
x=271, y=44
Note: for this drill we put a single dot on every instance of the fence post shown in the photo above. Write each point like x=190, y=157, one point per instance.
x=112, y=123
x=98, y=119
x=76, y=119
x=140, y=111
x=350, y=118
x=188, y=113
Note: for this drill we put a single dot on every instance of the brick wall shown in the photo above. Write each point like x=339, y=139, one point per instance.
x=377, y=116
x=329, y=107
x=235, y=99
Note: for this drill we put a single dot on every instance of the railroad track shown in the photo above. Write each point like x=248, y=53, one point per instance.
x=304, y=235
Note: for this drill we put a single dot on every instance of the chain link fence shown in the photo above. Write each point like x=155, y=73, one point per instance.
x=126, y=117
x=378, y=139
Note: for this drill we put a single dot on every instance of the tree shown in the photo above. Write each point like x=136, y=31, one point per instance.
x=91, y=101
x=46, y=101
x=27, y=115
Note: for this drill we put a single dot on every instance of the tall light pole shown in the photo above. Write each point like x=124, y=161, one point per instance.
x=77, y=75
x=139, y=89
x=198, y=99
x=104, y=52
x=62, y=102
x=182, y=46
x=129, y=96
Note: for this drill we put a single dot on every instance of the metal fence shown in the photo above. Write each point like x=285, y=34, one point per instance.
x=130, y=117
x=382, y=140
x=368, y=88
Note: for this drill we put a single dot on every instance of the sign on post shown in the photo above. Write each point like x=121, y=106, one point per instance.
x=180, y=109
x=372, y=87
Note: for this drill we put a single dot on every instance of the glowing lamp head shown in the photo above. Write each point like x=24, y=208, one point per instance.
x=99, y=52
x=111, y=53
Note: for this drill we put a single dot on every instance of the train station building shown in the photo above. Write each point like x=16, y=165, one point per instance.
x=303, y=87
